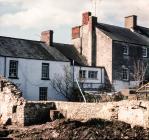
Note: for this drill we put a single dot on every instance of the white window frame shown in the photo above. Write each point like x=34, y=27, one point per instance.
x=82, y=74
x=13, y=69
x=45, y=71
x=125, y=50
x=144, y=49
x=127, y=74
x=92, y=74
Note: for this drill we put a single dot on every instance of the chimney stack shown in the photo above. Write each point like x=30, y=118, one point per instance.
x=131, y=22
x=47, y=37
x=76, y=32
x=85, y=18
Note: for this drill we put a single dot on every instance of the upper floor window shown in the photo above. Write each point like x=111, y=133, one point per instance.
x=125, y=50
x=125, y=74
x=92, y=74
x=43, y=91
x=144, y=52
x=82, y=73
x=45, y=71
x=13, y=69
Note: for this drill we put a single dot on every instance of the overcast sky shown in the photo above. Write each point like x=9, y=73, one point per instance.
x=27, y=18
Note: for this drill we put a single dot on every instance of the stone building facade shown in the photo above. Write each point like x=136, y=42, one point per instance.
x=115, y=48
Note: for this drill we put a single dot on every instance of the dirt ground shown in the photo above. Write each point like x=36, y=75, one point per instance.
x=70, y=129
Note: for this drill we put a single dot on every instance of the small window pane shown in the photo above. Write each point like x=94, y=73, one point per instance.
x=125, y=74
x=13, y=69
x=82, y=74
x=43, y=93
x=144, y=52
x=45, y=71
x=92, y=74
x=125, y=50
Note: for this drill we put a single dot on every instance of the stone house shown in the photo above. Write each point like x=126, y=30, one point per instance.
x=115, y=48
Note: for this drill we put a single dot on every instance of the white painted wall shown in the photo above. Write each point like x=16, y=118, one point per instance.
x=121, y=85
x=29, y=74
x=96, y=82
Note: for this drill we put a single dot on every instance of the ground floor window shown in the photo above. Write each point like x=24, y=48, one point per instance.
x=125, y=74
x=82, y=73
x=92, y=74
x=43, y=91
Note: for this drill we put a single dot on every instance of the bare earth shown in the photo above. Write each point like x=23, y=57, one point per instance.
x=70, y=129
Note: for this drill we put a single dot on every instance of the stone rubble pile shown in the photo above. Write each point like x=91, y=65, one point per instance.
x=10, y=99
x=7, y=85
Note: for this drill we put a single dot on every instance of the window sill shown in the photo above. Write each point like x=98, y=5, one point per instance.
x=144, y=57
x=45, y=79
x=125, y=54
x=125, y=80
x=82, y=78
x=92, y=78
x=13, y=77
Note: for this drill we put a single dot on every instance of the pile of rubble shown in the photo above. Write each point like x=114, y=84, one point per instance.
x=10, y=99
x=4, y=83
x=69, y=129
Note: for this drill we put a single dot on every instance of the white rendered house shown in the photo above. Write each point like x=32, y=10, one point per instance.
x=30, y=66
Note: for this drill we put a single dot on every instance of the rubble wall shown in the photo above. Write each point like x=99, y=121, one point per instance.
x=37, y=112
x=132, y=112
x=10, y=100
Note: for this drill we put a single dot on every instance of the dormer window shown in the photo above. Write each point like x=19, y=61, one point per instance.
x=125, y=50
x=144, y=52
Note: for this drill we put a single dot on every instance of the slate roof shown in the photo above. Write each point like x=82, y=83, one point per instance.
x=22, y=48
x=123, y=34
x=71, y=53
x=142, y=30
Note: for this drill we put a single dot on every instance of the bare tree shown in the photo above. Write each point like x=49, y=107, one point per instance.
x=63, y=83
x=140, y=68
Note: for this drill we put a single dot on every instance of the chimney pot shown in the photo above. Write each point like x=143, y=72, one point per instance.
x=131, y=22
x=47, y=37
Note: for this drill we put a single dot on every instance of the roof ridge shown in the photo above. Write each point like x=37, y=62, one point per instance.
x=143, y=27
x=114, y=26
x=62, y=43
x=20, y=39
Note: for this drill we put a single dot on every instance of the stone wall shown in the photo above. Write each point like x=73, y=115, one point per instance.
x=132, y=112
x=104, y=53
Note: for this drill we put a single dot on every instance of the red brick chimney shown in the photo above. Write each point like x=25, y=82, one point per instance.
x=85, y=18
x=131, y=22
x=47, y=37
x=75, y=32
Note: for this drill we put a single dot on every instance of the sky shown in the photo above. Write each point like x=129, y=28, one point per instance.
x=28, y=18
